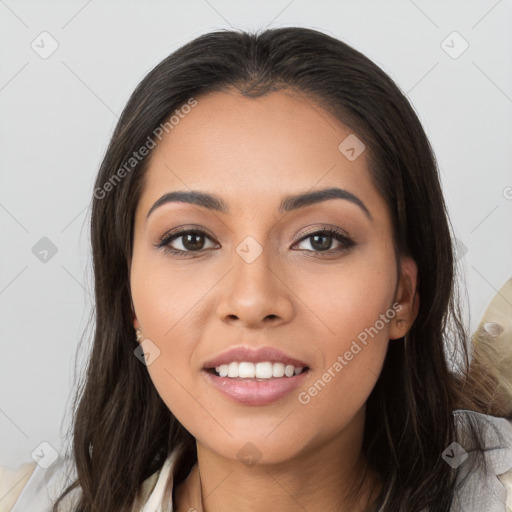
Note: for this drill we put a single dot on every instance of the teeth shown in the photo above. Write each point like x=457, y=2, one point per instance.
x=233, y=370
x=263, y=370
x=277, y=370
x=246, y=370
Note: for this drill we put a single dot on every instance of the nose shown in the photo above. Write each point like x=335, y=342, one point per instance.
x=256, y=294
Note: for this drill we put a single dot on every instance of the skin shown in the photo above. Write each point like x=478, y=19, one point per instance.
x=251, y=153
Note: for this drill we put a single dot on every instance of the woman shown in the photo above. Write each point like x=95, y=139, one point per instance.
x=275, y=297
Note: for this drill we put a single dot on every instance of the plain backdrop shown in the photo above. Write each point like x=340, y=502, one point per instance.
x=58, y=112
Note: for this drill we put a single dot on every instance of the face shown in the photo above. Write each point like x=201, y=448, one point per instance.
x=253, y=275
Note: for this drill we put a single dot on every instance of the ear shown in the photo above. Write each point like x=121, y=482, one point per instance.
x=407, y=298
x=136, y=324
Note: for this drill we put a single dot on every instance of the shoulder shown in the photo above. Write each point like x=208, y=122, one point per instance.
x=145, y=491
x=12, y=482
x=156, y=491
x=32, y=488
x=486, y=485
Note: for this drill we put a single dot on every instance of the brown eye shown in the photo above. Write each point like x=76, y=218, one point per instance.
x=321, y=241
x=192, y=241
x=184, y=241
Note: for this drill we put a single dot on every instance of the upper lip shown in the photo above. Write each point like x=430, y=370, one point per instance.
x=261, y=354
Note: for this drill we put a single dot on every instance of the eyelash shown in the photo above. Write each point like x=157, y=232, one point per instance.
x=164, y=242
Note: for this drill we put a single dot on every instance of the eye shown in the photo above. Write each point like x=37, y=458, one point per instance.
x=188, y=241
x=321, y=241
x=193, y=240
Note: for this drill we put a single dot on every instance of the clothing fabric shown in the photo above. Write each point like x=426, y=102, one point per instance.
x=31, y=488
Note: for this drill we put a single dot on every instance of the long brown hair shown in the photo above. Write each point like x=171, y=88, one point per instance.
x=122, y=429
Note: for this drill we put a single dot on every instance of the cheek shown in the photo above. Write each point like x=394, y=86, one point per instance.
x=352, y=360
x=165, y=296
x=348, y=298
x=352, y=313
x=167, y=302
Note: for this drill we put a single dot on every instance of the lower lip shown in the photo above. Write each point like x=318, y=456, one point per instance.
x=254, y=392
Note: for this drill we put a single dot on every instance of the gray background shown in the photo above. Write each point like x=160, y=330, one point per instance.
x=57, y=114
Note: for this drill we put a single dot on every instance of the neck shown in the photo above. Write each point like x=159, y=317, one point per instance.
x=318, y=478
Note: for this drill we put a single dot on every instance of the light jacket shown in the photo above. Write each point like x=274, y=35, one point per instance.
x=31, y=488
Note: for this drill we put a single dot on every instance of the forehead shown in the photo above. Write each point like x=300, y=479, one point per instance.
x=254, y=150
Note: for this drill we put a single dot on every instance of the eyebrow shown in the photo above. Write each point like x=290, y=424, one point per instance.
x=288, y=203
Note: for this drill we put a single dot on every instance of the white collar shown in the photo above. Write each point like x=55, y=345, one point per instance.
x=481, y=491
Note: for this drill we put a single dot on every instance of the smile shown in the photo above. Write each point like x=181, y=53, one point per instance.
x=255, y=390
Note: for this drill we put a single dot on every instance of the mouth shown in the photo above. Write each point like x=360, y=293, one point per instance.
x=262, y=374
x=252, y=376
x=255, y=391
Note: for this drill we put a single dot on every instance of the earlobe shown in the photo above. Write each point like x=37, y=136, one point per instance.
x=138, y=330
x=134, y=316
x=407, y=297
x=136, y=324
